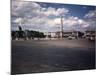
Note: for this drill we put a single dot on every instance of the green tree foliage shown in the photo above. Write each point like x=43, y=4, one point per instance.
x=29, y=34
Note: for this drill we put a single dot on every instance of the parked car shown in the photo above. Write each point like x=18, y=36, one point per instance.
x=92, y=38
x=71, y=37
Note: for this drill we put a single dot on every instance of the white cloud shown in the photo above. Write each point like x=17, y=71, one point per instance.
x=33, y=15
x=23, y=8
x=90, y=17
x=18, y=20
x=57, y=21
x=20, y=8
x=75, y=23
x=91, y=14
x=36, y=17
x=62, y=11
x=71, y=21
x=50, y=11
x=45, y=22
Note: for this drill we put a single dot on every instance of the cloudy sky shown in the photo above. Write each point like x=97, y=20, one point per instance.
x=46, y=17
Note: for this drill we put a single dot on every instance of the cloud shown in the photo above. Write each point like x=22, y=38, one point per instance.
x=27, y=9
x=90, y=17
x=62, y=11
x=50, y=11
x=90, y=14
x=70, y=21
x=24, y=9
x=57, y=21
x=73, y=21
x=33, y=16
x=18, y=20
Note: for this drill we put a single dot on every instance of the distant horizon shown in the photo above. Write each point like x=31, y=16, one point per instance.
x=55, y=31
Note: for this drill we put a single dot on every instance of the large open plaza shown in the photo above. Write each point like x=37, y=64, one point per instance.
x=35, y=56
x=52, y=37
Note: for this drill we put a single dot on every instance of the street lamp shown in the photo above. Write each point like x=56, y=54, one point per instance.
x=61, y=34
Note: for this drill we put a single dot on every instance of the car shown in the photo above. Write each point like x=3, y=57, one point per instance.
x=71, y=37
x=92, y=38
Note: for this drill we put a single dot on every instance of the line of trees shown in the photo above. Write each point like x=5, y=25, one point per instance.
x=26, y=34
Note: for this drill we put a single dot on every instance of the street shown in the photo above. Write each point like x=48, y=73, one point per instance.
x=36, y=56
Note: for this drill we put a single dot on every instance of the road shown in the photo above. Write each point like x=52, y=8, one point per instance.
x=35, y=56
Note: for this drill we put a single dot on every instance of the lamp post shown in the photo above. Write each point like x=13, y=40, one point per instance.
x=20, y=28
x=61, y=33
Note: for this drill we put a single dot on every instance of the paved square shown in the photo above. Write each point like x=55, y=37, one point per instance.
x=35, y=56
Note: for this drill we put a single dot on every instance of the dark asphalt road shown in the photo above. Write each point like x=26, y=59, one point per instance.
x=50, y=56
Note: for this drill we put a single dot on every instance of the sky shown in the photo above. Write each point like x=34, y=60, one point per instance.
x=46, y=17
